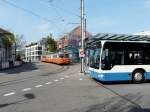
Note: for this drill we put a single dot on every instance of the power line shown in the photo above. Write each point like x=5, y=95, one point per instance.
x=29, y=12
x=57, y=12
x=60, y=8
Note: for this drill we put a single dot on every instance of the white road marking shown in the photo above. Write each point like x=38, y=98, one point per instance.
x=48, y=83
x=9, y=94
x=62, y=78
x=80, y=79
x=67, y=76
x=26, y=89
x=56, y=80
x=37, y=86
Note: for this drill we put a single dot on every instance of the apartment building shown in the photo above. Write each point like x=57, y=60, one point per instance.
x=33, y=52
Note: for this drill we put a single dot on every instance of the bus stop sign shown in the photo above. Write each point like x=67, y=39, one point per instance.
x=81, y=53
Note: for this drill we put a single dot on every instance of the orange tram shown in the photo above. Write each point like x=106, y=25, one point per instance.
x=56, y=58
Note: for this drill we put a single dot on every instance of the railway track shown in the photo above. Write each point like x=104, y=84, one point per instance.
x=57, y=71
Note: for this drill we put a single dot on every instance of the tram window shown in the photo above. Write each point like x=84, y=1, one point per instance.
x=61, y=56
x=66, y=56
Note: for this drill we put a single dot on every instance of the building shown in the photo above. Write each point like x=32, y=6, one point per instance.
x=33, y=52
x=70, y=43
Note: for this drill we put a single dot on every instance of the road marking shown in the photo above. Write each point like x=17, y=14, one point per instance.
x=26, y=89
x=37, y=86
x=48, y=83
x=56, y=80
x=9, y=94
x=62, y=78
x=80, y=79
x=67, y=76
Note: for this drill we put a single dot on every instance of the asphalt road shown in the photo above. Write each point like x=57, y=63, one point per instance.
x=44, y=87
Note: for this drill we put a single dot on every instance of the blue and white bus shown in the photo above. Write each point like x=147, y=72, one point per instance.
x=115, y=60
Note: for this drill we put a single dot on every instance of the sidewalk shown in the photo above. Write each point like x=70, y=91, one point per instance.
x=7, y=65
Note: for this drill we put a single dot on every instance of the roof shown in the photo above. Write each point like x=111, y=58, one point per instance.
x=117, y=38
x=77, y=32
x=32, y=44
x=121, y=37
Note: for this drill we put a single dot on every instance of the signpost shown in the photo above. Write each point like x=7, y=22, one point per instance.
x=81, y=53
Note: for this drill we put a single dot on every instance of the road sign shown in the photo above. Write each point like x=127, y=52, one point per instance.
x=81, y=53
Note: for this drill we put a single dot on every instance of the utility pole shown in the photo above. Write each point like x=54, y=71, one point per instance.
x=82, y=34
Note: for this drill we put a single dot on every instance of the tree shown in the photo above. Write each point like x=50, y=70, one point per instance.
x=8, y=40
x=20, y=44
x=49, y=43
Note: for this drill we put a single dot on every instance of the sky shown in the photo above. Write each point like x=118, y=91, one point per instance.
x=38, y=18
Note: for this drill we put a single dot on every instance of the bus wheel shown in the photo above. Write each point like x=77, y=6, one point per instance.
x=138, y=77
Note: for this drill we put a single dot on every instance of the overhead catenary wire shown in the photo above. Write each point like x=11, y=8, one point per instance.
x=57, y=11
x=61, y=9
x=59, y=15
x=30, y=12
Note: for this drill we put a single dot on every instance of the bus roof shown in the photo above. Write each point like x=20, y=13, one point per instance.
x=107, y=37
x=121, y=37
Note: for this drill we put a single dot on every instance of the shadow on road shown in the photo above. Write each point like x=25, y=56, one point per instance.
x=117, y=104
x=119, y=82
x=24, y=68
x=28, y=96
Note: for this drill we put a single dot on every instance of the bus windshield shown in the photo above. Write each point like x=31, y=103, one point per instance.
x=94, y=58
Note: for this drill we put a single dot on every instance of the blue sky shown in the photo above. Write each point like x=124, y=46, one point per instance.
x=105, y=16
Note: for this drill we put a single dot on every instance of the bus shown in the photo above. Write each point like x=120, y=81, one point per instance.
x=117, y=60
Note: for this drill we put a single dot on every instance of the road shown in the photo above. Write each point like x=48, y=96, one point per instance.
x=44, y=87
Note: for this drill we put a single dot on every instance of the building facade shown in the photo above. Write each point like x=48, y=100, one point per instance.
x=70, y=43
x=33, y=52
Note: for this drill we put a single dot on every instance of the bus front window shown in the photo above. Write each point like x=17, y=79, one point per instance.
x=105, y=63
x=94, y=58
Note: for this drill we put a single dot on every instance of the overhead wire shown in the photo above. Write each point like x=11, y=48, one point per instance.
x=30, y=12
x=57, y=10
x=61, y=9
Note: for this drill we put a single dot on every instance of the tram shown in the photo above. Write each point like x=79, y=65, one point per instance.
x=56, y=58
